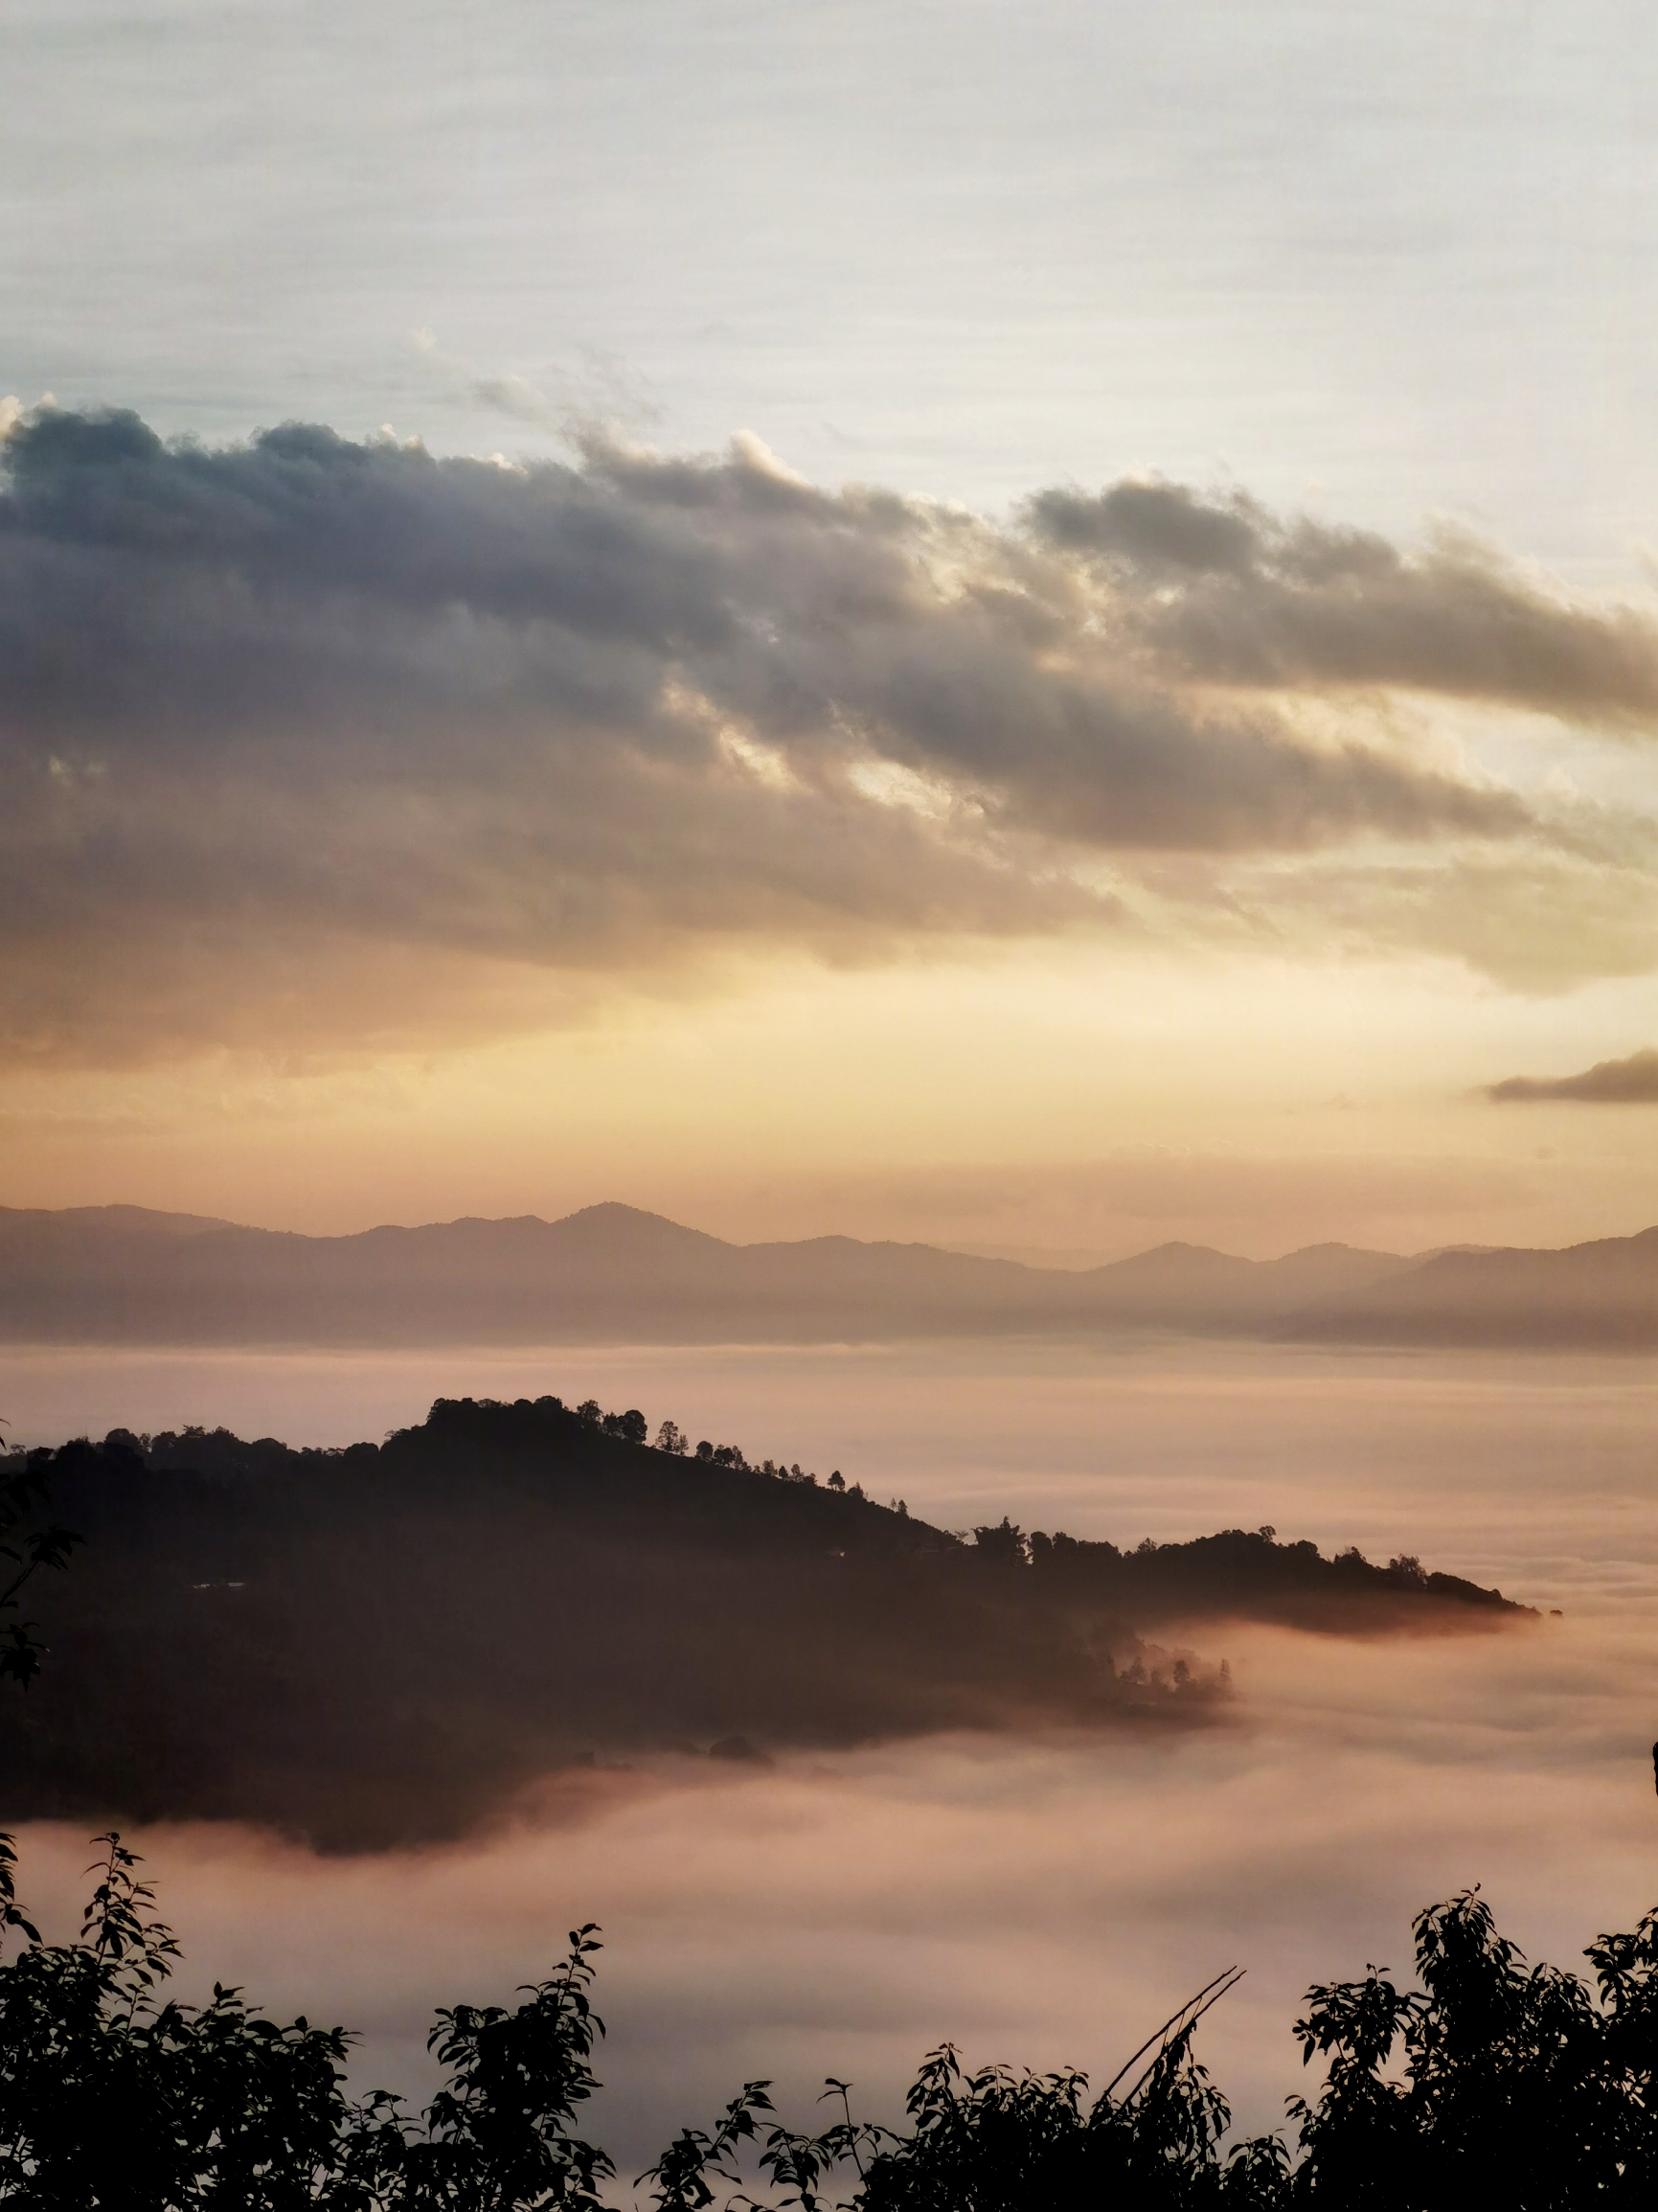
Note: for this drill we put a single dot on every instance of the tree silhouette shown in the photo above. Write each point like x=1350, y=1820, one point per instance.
x=29, y=1542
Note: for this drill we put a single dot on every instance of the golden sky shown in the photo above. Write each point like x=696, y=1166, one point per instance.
x=1171, y=732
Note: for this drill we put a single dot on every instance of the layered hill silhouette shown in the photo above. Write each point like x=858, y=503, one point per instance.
x=1601, y=1295
x=611, y=1274
x=121, y=1275
x=388, y=1643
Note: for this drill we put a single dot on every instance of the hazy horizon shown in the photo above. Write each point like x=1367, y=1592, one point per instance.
x=1034, y=1255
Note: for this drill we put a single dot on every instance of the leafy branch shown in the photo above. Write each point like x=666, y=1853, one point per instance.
x=28, y=1543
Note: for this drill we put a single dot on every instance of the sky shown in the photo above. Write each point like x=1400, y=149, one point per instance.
x=1030, y=626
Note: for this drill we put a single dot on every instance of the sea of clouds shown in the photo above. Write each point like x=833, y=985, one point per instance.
x=1046, y=1900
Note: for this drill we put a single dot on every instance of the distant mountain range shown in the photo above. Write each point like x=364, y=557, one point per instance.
x=1602, y=1295
x=611, y=1274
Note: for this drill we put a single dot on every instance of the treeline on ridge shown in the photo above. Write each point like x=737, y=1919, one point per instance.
x=385, y=1643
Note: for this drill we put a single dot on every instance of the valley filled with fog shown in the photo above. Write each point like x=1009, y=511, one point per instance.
x=1043, y=1900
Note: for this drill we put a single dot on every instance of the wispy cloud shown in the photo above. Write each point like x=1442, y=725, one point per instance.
x=595, y=389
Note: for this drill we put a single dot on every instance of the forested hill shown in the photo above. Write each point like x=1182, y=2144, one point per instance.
x=386, y=1642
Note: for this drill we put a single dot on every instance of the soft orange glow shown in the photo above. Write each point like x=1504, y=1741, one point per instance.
x=1061, y=1101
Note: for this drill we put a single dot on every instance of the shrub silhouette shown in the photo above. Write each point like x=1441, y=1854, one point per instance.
x=112, y=2097
x=28, y=1542
x=1492, y=2082
x=1518, y=2085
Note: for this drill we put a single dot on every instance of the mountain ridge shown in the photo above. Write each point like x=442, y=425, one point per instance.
x=1599, y=1294
x=612, y=1272
x=607, y=1270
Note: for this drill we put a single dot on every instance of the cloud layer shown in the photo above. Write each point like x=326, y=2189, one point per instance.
x=307, y=737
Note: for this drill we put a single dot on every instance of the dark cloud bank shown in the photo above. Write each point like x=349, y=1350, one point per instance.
x=307, y=736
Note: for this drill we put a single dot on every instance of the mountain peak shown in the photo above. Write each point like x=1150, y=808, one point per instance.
x=616, y=1226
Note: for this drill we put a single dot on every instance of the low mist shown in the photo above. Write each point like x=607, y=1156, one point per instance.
x=1044, y=1901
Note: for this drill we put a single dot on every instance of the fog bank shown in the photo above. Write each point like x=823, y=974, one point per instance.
x=1047, y=1902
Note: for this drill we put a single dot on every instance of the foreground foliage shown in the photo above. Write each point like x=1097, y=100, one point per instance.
x=112, y=2096
x=29, y=1540
x=1493, y=2081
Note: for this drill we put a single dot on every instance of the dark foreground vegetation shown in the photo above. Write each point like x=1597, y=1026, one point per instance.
x=385, y=1643
x=1494, y=2083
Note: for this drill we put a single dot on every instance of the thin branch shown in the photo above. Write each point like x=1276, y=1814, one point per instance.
x=1228, y=1975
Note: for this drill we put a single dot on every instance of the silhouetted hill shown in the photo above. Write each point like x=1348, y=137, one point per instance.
x=387, y=1642
x=118, y=1275
x=1602, y=1295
